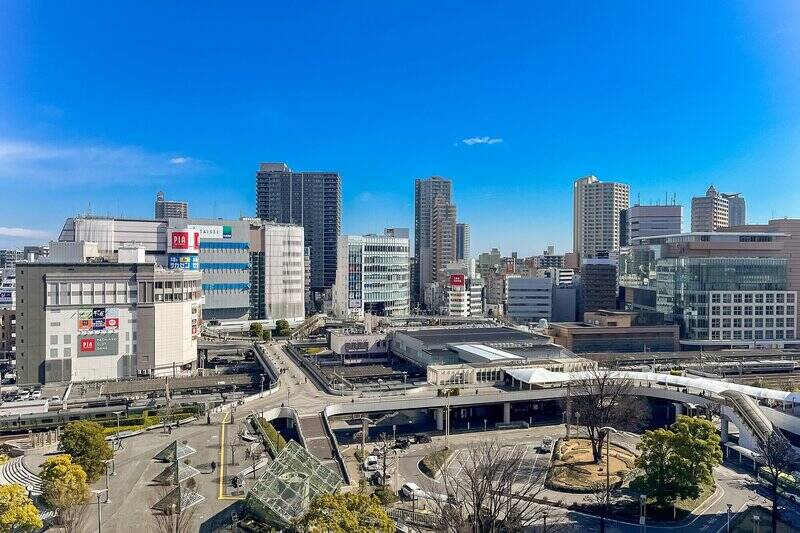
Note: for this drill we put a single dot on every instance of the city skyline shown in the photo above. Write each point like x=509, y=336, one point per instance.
x=716, y=106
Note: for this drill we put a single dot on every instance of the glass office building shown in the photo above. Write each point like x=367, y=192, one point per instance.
x=696, y=292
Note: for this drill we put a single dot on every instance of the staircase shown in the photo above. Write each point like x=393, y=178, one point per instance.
x=15, y=472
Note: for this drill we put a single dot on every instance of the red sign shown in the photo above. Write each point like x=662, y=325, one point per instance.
x=112, y=323
x=457, y=280
x=87, y=345
x=180, y=240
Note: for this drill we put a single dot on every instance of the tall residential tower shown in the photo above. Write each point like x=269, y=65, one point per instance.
x=308, y=199
x=434, y=230
x=596, y=220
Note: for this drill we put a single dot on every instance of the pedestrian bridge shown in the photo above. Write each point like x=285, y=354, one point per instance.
x=754, y=410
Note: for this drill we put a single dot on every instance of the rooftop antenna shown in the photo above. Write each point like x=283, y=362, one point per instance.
x=638, y=198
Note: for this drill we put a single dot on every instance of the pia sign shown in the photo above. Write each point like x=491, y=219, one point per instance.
x=183, y=241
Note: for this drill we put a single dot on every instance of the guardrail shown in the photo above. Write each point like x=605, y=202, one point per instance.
x=413, y=517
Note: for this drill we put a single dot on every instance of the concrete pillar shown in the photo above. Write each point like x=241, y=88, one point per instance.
x=507, y=412
x=438, y=414
x=678, y=409
x=724, y=429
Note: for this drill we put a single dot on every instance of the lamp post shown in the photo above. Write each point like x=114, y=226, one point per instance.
x=108, y=492
x=544, y=522
x=447, y=419
x=728, y=527
x=608, y=430
x=262, y=386
x=97, y=493
x=756, y=522
x=643, y=512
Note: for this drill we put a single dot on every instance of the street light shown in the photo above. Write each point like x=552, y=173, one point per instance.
x=608, y=430
x=728, y=528
x=756, y=520
x=97, y=493
x=544, y=522
x=262, y=386
x=108, y=492
x=643, y=512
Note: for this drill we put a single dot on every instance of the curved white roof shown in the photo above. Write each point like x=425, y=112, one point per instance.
x=536, y=376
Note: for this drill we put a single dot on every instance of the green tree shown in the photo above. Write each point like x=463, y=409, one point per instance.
x=266, y=335
x=666, y=478
x=65, y=489
x=346, y=513
x=85, y=442
x=282, y=328
x=697, y=441
x=679, y=462
x=17, y=512
x=256, y=329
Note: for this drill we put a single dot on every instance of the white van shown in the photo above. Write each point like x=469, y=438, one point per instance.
x=411, y=490
x=371, y=463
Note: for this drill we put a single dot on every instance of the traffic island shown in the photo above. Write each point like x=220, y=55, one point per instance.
x=573, y=468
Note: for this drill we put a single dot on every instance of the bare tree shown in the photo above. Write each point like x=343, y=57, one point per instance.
x=603, y=399
x=73, y=519
x=603, y=498
x=779, y=457
x=483, y=490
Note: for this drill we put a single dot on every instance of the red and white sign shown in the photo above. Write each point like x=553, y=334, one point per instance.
x=184, y=241
x=457, y=280
x=87, y=345
x=112, y=323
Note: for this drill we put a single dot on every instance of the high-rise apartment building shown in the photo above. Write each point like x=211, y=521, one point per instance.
x=170, y=208
x=737, y=209
x=652, y=220
x=596, y=208
x=443, y=238
x=432, y=194
x=308, y=199
x=710, y=212
x=462, y=241
x=372, y=276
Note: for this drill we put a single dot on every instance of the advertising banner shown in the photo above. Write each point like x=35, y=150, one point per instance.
x=183, y=241
x=456, y=280
x=98, y=319
x=207, y=232
x=90, y=345
x=183, y=262
x=227, y=232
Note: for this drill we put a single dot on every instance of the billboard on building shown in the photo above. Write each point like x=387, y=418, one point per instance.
x=183, y=262
x=91, y=345
x=457, y=280
x=184, y=241
x=206, y=232
x=98, y=319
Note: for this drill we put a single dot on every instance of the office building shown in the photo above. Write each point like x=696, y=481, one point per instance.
x=372, y=277
x=9, y=258
x=737, y=209
x=651, y=220
x=8, y=289
x=284, y=272
x=105, y=320
x=614, y=331
x=464, y=295
x=400, y=233
x=598, y=285
x=529, y=299
x=170, y=208
x=434, y=228
x=8, y=333
x=710, y=212
x=229, y=253
x=563, y=277
x=596, y=208
x=462, y=241
x=624, y=229
x=308, y=199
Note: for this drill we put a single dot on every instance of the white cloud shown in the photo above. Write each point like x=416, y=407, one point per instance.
x=97, y=164
x=25, y=233
x=482, y=140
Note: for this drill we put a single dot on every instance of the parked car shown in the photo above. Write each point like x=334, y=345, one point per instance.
x=412, y=491
x=547, y=444
x=421, y=438
x=371, y=463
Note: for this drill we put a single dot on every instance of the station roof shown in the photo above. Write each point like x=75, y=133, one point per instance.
x=480, y=353
x=476, y=335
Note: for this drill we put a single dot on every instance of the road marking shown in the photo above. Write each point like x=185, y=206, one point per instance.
x=222, y=457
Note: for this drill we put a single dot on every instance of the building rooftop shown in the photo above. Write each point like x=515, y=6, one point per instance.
x=479, y=353
x=476, y=335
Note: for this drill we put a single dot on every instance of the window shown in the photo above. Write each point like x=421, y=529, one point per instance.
x=715, y=298
x=770, y=298
x=748, y=298
x=53, y=339
x=726, y=298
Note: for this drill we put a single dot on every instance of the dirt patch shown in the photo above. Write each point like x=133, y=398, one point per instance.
x=574, y=470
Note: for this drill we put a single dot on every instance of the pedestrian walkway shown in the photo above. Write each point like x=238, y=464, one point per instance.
x=15, y=471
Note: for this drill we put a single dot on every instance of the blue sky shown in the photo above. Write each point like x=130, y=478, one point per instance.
x=105, y=103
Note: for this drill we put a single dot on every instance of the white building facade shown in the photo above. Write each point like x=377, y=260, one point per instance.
x=372, y=276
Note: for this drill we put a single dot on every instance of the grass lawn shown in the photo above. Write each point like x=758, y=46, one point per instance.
x=433, y=462
x=314, y=351
x=573, y=468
